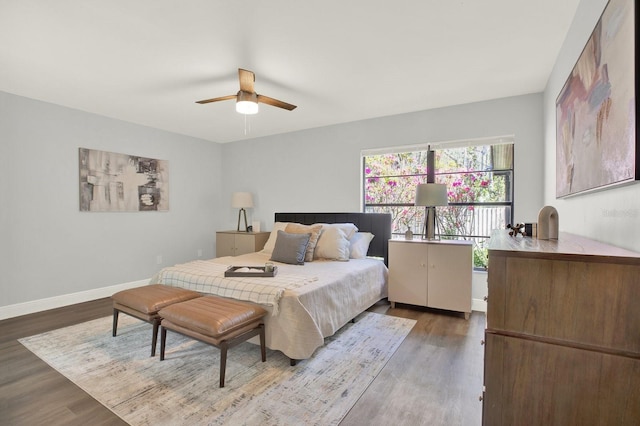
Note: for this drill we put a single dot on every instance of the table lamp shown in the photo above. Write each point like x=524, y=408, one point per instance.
x=242, y=201
x=430, y=195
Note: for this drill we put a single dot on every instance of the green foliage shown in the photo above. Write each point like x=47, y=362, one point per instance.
x=480, y=257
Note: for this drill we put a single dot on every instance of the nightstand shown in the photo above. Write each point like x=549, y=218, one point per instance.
x=434, y=274
x=235, y=243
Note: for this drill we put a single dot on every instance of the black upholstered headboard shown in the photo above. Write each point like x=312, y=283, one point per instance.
x=379, y=224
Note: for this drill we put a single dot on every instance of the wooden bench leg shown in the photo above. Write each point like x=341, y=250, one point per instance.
x=154, y=339
x=115, y=321
x=163, y=340
x=223, y=362
x=263, y=345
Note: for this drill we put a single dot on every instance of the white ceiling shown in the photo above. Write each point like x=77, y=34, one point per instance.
x=148, y=61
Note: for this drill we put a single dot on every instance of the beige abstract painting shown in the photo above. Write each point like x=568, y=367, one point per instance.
x=596, y=109
x=112, y=182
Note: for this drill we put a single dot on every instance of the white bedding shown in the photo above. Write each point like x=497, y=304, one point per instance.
x=206, y=276
x=332, y=294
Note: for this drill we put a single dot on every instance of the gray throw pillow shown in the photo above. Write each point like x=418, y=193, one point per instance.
x=290, y=248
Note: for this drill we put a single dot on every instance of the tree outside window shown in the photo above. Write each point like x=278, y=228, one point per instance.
x=479, y=182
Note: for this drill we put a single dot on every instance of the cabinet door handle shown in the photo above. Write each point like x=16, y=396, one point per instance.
x=485, y=298
x=481, y=342
x=480, y=398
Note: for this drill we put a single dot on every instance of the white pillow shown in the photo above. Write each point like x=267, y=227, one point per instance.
x=359, y=245
x=349, y=228
x=333, y=244
x=271, y=242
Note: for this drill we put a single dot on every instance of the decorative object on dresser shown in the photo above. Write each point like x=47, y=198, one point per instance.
x=242, y=201
x=435, y=274
x=531, y=230
x=518, y=229
x=235, y=243
x=562, y=344
x=430, y=195
x=548, y=223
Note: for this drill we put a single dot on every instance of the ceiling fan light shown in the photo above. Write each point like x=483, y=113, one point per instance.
x=247, y=107
x=247, y=103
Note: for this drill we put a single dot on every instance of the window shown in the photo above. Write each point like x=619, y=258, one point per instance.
x=479, y=179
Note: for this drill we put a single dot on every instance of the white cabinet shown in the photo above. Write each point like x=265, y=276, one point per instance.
x=435, y=274
x=235, y=243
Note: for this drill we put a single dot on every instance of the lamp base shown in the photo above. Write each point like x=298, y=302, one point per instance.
x=429, y=230
x=246, y=226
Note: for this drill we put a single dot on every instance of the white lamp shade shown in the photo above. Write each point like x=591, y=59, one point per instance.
x=241, y=200
x=431, y=194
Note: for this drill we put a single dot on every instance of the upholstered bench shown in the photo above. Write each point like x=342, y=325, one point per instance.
x=223, y=323
x=145, y=302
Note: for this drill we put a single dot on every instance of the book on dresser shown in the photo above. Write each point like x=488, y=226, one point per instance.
x=562, y=343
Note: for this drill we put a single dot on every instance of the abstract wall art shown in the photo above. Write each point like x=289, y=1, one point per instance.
x=596, y=140
x=111, y=182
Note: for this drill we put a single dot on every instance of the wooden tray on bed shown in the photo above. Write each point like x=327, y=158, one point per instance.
x=256, y=271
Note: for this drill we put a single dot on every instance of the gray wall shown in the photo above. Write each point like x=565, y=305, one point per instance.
x=612, y=215
x=320, y=170
x=48, y=247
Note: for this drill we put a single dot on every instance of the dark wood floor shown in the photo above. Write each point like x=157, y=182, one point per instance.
x=435, y=377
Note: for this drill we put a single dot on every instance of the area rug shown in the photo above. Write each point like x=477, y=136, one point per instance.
x=183, y=389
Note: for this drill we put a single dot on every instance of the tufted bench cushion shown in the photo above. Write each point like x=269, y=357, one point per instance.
x=145, y=302
x=220, y=322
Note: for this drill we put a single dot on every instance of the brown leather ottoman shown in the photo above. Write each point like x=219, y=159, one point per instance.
x=145, y=302
x=223, y=323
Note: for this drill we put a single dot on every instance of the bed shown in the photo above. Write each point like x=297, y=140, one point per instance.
x=306, y=303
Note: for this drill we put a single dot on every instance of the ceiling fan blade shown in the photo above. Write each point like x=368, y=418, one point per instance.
x=276, y=103
x=247, y=78
x=221, y=98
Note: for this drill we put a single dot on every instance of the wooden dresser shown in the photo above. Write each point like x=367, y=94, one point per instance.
x=562, y=344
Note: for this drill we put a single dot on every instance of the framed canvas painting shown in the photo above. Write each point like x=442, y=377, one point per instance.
x=596, y=133
x=112, y=182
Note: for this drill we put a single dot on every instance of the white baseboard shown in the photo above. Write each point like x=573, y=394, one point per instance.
x=30, y=307
x=478, y=305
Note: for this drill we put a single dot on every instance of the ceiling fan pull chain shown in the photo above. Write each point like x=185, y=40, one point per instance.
x=245, y=125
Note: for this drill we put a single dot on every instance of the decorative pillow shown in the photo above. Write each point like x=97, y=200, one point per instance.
x=333, y=244
x=314, y=230
x=349, y=228
x=359, y=245
x=290, y=248
x=271, y=242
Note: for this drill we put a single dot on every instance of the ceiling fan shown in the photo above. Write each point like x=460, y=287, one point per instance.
x=247, y=99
